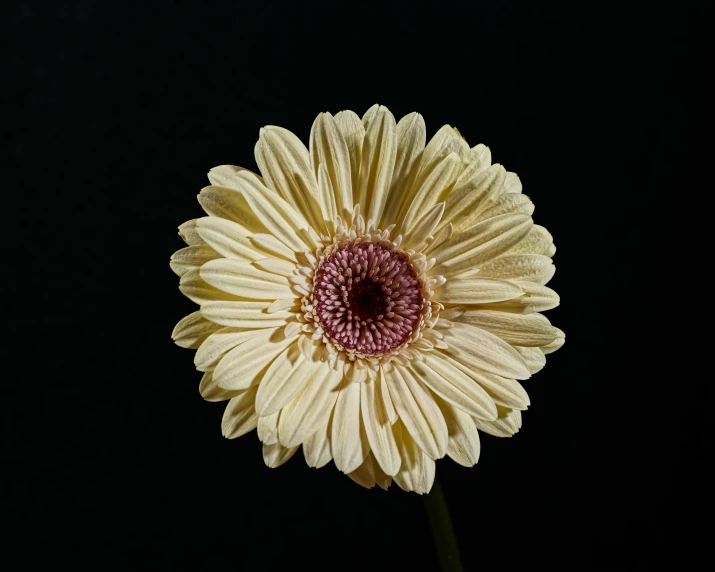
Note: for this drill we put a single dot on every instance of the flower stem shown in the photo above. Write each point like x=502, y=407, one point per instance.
x=442, y=530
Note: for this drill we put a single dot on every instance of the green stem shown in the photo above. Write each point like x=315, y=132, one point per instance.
x=442, y=530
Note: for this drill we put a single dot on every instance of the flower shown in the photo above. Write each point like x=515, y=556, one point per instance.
x=369, y=298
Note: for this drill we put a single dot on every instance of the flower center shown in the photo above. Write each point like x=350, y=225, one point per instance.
x=368, y=298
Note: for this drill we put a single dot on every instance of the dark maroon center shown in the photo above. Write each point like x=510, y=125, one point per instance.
x=368, y=298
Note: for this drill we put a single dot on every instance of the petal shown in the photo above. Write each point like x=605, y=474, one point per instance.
x=353, y=132
x=278, y=266
x=285, y=378
x=192, y=330
x=536, y=298
x=532, y=267
x=515, y=329
x=482, y=154
x=534, y=358
x=276, y=454
x=417, y=410
x=316, y=449
x=369, y=474
x=411, y=135
x=329, y=210
x=348, y=441
x=244, y=365
x=537, y=241
x=454, y=387
x=240, y=314
x=219, y=343
x=285, y=165
x=417, y=470
x=512, y=183
x=225, y=175
x=229, y=204
x=504, y=391
x=310, y=410
x=268, y=428
x=279, y=218
x=473, y=189
x=199, y=291
x=434, y=188
x=378, y=427
x=228, y=238
x=507, y=425
x=480, y=243
x=187, y=232
x=422, y=231
x=482, y=350
x=463, y=446
x=210, y=391
x=511, y=203
x=477, y=291
x=246, y=280
x=556, y=344
x=328, y=148
x=379, y=149
x=191, y=258
x=240, y=416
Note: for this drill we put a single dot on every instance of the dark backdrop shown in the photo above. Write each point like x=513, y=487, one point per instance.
x=117, y=111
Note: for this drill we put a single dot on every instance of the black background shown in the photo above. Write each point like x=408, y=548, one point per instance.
x=117, y=111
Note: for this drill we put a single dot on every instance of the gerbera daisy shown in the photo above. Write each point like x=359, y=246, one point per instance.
x=371, y=299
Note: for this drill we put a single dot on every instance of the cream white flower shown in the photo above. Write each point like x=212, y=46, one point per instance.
x=369, y=298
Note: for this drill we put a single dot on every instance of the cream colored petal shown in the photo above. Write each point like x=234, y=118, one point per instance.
x=378, y=427
x=536, y=298
x=473, y=189
x=310, y=410
x=511, y=203
x=278, y=266
x=504, y=391
x=329, y=149
x=532, y=267
x=454, y=386
x=476, y=291
x=480, y=243
x=328, y=208
x=191, y=258
x=228, y=238
x=507, y=425
x=268, y=428
x=417, y=410
x=279, y=218
x=463, y=446
x=240, y=417
x=246, y=280
x=556, y=344
x=512, y=183
x=271, y=245
x=192, y=330
x=210, y=391
x=482, y=154
x=284, y=380
x=241, y=314
x=534, y=358
x=199, y=291
x=422, y=231
x=482, y=350
x=348, y=441
x=229, y=204
x=187, y=232
x=316, y=449
x=434, y=188
x=219, y=343
x=275, y=455
x=515, y=329
x=411, y=136
x=364, y=475
x=386, y=399
x=417, y=470
x=353, y=132
x=370, y=114
x=377, y=163
x=537, y=241
x=224, y=175
x=245, y=365
x=286, y=167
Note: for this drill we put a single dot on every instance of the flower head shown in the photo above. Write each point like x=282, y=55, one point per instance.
x=370, y=298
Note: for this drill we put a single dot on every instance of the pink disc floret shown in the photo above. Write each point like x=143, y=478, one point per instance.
x=367, y=297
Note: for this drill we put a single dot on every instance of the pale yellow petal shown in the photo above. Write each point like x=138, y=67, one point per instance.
x=245, y=279
x=241, y=314
x=507, y=425
x=348, y=441
x=515, y=329
x=422, y=231
x=536, y=298
x=417, y=470
x=463, y=446
x=187, y=232
x=192, y=330
x=378, y=427
x=476, y=290
x=210, y=390
x=229, y=204
x=278, y=266
x=482, y=154
x=316, y=449
x=268, y=428
x=537, y=241
x=199, y=291
x=534, y=358
x=329, y=149
x=556, y=344
x=191, y=258
x=219, y=343
x=228, y=238
x=473, y=189
x=276, y=454
x=512, y=183
x=511, y=203
x=353, y=132
x=240, y=417
x=532, y=267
